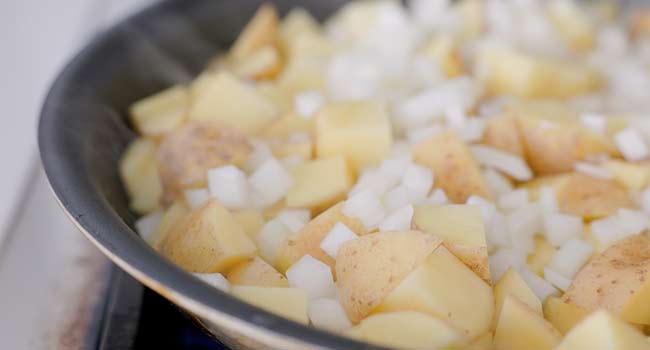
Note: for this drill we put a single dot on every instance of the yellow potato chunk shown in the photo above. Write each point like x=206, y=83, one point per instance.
x=308, y=239
x=443, y=50
x=501, y=132
x=256, y=272
x=408, y=330
x=227, y=100
x=207, y=240
x=358, y=131
x=172, y=216
x=455, y=169
x=139, y=173
x=302, y=149
x=289, y=124
x=591, y=198
x=303, y=73
x=287, y=302
x=508, y=72
x=265, y=63
x=319, y=183
x=563, y=316
x=296, y=23
x=572, y=23
x=603, y=331
x=251, y=220
x=633, y=176
x=461, y=227
x=258, y=33
x=483, y=342
x=541, y=256
x=617, y=280
x=160, y=113
x=511, y=284
x=519, y=327
x=370, y=267
x=442, y=286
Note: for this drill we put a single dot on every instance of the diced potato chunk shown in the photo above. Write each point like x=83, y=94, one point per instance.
x=172, y=216
x=358, y=131
x=287, y=302
x=258, y=33
x=501, y=132
x=442, y=286
x=256, y=272
x=444, y=51
x=591, y=198
x=162, y=112
x=511, y=284
x=461, y=227
x=572, y=23
x=634, y=176
x=508, y=72
x=604, y=331
x=519, y=327
x=303, y=73
x=308, y=239
x=563, y=316
x=455, y=169
x=208, y=240
x=422, y=333
x=319, y=183
x=617, y=280
x=187, y=154
x=370, y=267
x=139, y=173
x=227, y=100
x=251, y=220
x=302, y=149
x=289, y=124
x=265, y=63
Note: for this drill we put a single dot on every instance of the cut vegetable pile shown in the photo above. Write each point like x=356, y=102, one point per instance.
x=469, y=175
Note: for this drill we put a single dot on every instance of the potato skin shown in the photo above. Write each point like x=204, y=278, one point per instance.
x=370, y=267
x=256, y=272
x=614, y=279
x=501, y=132
x=186, y=154
x=592, y=198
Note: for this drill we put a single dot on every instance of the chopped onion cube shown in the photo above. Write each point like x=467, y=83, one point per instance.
x=503, y=259
x=547, y=200
x=645, y=200
x=399, y=220
x=570, y=258
x=146, y=225
x=313, y=276
x=510, y=164
x=328, y=314
x=631, y=144
x=308, y=103
x=618, y=226
x=228, y=184
x=437, y=197
x=270, y=239
x=338, y=235
x=396, y=198
x=513, y=200
x=196, y=198
x=497, y=183
x=215, y=279
x=417, y=180
x=261, y=153
x=556, y=279
x=366, y=207
x=560, y=228
x=593, y=170
x=294, y=219
x=496, y=231
x=472, y=130
x=418, y=135
x=487, y=207
x=595, y=122
x=542, y=288
x=270, y=182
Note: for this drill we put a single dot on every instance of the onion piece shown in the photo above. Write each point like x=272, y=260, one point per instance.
x=229, y=185
x=196, y=198
x=328, y=314
x=510, y=164
x=216, y=280
x=570, y=258
x=313, y=276
x=631, y=144
x=146, y=225
x=399, y=220
x=338, y=235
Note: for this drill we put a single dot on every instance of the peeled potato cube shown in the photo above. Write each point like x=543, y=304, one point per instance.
x=408, y=330
x=208, y=240
x=256, y=272
x=563, y=316
x=501, y=133
x=483, y=342
x=442, y=286
x=461, y=227
x=370, y=267
x=251, y=220
x=445, y=52
x=319, y=183
x=601, y=330
x=297, y=22
x=308, y=239
x=139, y=173
x=288, y=125
x=162, y=112
x=258, y=33
x=226, y=99
x=455, y=169
x=287, y=302
x=358, y=131
x=512, y=284
x=303, y=73
x=617, y=280
x=519, y=327
x=591, y=198
x=172, y=216
x=265, y=63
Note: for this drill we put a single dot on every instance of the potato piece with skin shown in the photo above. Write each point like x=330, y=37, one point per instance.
x=563, y=316
x=319, y=183
x=443, y=50
x=541, y=256
x=258, y=33
x=296, y=23
x=359, y=131
x=256, y=272
x=286, y=302
x=455, y=169
x=603, y=331
x=617, y=280
x=251, y=220
x=289, y=124
x=591, y=198
x=461, y=228
x=172, y=216
x=308, y=239
x=553, y=139
x=501, y=132
x=408, y=330
x=370, y=267
x=185, y=155
x=227, y=100
x=162, y=112
x=303, y=73
x=442, y=286
x=511, y=284
x=483, y=342
x=519, y=327
x=208, y=240
x=139, y=174
x=265, y=63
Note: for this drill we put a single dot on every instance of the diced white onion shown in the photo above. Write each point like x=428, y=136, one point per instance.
x=472, y=130
x=271, y=181
x=308, y=103
x=399, y=220
x=542, y=288
x=595, y=122
x=556, y=279
x=547, y=200
x=560, y=228
x=338, y=235
x=270, y=239
x=196, y=198
x=487, y=207
x=593, y=170
x=510, y=164
x=631, y=144
x=618, y=226
x=503, y=259
x=420, y=134
x=261, y=153
x=366, y=207
x=418, y=181
x=396, y=198
x=229, y=185
x=294, y=219
x=570, y=258
x=497, y=183
x=437, y=197
x=513, y=200
x=523, y=224
x=328, y=314
x=313, y=276
x=496, y=231
x=146, y=225
x=215, y=279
